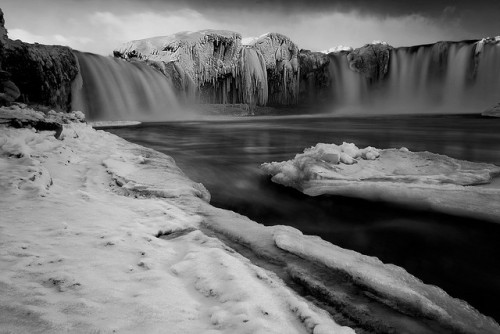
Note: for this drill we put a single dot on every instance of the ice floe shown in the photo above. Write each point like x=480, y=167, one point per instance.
x=397, y=175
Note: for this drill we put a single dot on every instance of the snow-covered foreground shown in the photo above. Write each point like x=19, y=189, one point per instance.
x=79, y=252
x=421, y=179
x=101, y=235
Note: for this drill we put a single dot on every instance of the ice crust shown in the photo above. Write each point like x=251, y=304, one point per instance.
x=398, y=175
x=219, y=67
x=79, y=253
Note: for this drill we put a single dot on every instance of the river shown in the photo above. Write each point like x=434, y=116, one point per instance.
x=458, y=254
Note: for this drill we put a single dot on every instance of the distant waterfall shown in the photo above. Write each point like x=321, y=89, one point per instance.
x=445, y=77
x=114, y=89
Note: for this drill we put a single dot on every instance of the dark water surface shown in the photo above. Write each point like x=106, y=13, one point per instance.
x=460, y=255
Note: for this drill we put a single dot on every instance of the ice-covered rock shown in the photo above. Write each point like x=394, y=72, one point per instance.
x=220, y=68
x=213, y=64
x=412, y=178
x=482, y=42
x=282, y=64
x=248, y=40
x=19, y=116
x=9, y=92
x=338, y=48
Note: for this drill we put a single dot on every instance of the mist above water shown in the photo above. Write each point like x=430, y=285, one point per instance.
x=112, y=89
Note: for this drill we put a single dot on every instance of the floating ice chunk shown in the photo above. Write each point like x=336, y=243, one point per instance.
x=333, y=158
x=369, y=153
x=395, y=175
x=350, y=149
x=347, y=159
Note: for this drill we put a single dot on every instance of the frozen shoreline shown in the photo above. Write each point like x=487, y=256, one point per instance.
x=79, y=251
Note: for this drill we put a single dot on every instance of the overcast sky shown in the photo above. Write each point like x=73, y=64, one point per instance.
x=100, y=26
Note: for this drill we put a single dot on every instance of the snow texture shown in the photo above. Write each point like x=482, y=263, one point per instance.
x=79, y=252
x=416, y=178
x=338, y=48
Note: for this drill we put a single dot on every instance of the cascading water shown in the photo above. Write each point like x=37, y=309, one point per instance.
x=349, y=88
x=113, y=89
x=445, y=77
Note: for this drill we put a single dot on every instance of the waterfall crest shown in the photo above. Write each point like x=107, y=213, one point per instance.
x=446, y=77
x=113, y=89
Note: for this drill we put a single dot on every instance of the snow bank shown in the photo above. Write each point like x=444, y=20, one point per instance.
x=352, y=283
x=416, y=178
x=79, y=252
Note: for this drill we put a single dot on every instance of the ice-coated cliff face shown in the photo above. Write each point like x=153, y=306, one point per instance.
x=213, y=64
x=282, y=64
x=219, y=68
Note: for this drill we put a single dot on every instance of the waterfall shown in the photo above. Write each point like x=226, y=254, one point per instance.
x=114, y=89
x=446, y=77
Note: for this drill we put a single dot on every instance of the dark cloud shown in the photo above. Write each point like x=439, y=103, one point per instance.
x=479, y=17
x=377, y=7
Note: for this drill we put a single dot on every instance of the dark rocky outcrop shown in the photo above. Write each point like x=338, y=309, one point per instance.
x=315, y=81
x=43, y=73
x=3, y=36
x=8, y=90
x=35, y=73
x=372, y=60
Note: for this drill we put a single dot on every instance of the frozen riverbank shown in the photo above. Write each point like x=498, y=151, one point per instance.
x=79, y=252
x=420, y=179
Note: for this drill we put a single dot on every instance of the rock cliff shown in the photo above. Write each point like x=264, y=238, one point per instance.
x=315, y=81
x=282, y=64
x=372, y=60
x=35, y=73
x=219, y=69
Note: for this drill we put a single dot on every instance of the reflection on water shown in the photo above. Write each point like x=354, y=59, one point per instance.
x=457, y=254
